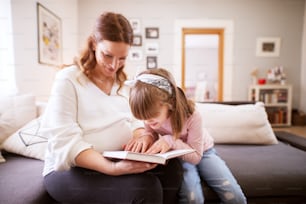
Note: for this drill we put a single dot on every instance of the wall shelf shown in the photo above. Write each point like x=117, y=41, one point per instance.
x=277, y=99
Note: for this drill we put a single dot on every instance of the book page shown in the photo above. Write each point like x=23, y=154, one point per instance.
x=175, y=153
x=152, y=158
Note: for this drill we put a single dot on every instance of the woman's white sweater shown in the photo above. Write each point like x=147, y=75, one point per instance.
x=80, y=116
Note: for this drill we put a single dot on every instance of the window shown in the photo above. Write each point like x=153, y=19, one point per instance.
x=7, y=69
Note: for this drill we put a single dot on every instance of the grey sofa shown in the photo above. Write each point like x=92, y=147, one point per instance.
x=267, y=174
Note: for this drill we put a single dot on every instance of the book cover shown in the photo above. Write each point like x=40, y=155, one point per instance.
x=160, y=158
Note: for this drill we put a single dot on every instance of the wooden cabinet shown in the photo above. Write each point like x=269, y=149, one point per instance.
x=277, y=99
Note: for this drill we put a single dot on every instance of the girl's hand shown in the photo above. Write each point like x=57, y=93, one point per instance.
x=139, y=144
x=131, y=167
x=160, y=146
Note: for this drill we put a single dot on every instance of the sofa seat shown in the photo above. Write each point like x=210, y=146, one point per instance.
x=270, y=170
x=266, y=172
x=21, y=181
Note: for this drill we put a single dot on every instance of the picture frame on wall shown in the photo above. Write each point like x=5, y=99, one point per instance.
x=268, y=47
x=137, y=40
x=135, y=55
x=151, y=62
x=49, y=37
x=152, y=48
x=152, y=32
x=135, y=23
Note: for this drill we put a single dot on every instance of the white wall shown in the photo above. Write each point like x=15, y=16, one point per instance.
x=31, y=76
x=7, y=71
x=251, y=19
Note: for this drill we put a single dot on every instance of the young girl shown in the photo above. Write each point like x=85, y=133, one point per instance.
x=173, y=123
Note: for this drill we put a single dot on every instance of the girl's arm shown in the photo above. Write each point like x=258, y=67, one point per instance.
x=141, y=141
x=195, y=139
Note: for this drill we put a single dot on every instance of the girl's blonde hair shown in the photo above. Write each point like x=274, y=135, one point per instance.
x=145, y=100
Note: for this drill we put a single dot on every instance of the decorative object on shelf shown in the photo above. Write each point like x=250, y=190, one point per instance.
x=151, y=62
x=261, y=81
x=135, y=25
x=49, y=37
x=254, y=75
x=152, y=32
x=268, y=47
x=276, y=75
x=137, y=40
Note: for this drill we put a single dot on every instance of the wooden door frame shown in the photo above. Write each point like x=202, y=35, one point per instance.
x=199, y=31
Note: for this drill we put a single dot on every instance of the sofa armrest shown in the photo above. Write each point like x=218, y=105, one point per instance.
x=293, y=140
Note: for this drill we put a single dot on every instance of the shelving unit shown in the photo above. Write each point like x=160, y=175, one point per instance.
x=277, y=99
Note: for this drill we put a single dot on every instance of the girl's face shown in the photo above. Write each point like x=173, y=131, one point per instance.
x=162, y=115
x=110, y=56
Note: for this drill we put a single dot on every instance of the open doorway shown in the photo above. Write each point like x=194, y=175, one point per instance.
x=202, y=63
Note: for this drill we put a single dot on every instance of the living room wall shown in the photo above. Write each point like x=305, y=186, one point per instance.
x=31, y=76
x=252, y=19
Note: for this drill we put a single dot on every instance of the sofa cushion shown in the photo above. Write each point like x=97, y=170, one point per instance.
x=15, y=111
x=22, y=181
x=267, y=170
x=27, y=141
x=237, y=124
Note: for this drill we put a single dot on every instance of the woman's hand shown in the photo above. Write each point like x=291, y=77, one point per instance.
x=131, y=167
x=160, y=146
x=91, y=159
x=139, y=144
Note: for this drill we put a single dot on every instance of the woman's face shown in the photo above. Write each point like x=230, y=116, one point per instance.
x=110, y=56
x=162, y=115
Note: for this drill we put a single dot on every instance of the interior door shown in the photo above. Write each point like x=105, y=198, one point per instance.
x=202, y=64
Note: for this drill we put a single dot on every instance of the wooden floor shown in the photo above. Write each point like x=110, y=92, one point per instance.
x=297, y=130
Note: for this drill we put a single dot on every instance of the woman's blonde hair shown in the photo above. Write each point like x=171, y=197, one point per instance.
x=145, y=99
x=109, y=26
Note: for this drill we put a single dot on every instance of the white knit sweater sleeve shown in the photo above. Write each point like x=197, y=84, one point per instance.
x=60, y=125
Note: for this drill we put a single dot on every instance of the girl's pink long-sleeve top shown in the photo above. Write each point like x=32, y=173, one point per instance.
x=192, y=136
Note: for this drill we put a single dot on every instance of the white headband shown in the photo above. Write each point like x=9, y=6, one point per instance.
x=152, y=79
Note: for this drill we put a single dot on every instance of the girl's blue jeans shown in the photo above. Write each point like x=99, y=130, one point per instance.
x=217, y=175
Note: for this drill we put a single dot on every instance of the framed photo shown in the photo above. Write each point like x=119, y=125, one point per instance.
x=268, y=47
x=152, y=32
x=137, y=40
x=151, y=62
x=135, y=55
x=49, y=37
x=152, y=48
x=135, y=23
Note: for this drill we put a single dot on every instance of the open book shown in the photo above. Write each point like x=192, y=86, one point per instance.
x=160, y=158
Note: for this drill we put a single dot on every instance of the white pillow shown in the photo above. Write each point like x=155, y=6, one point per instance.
x=237, y=124
x=15, y=111
x=27, y=141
